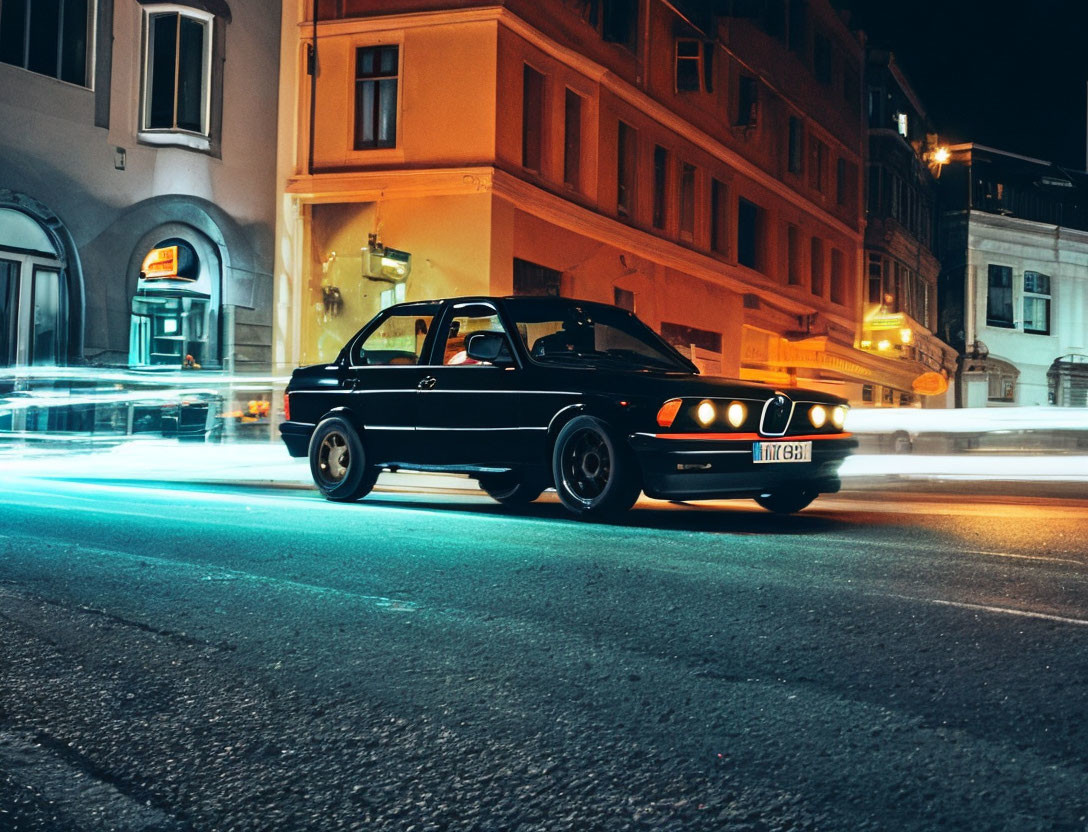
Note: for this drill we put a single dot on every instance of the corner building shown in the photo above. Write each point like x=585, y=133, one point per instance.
x=699, y=168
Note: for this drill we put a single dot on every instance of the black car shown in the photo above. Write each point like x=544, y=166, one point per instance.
x=525, y=393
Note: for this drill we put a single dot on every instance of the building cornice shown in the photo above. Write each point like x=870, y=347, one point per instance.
x=601, y=75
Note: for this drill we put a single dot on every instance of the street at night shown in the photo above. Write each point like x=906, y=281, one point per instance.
x=214, y=657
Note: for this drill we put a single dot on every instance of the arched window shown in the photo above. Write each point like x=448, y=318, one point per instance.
x=33, y=293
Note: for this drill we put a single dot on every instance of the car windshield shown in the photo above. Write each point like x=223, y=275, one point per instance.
x=571, y=333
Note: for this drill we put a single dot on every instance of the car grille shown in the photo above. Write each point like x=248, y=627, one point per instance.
x=776, y=415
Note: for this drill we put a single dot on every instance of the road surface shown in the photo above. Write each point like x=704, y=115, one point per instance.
x=225, y=659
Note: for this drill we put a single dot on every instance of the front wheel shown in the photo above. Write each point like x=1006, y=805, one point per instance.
x=510, y=488
x=338, y=461
x=787, y=501
x=596, y=473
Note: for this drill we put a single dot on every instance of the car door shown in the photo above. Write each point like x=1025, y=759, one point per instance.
x=468, y=410
x=383, y=380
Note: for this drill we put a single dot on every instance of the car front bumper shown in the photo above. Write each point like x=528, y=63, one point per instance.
x=714, y=468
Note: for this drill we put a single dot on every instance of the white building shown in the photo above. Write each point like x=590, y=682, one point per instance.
x=1014, y=284
x=137, y=182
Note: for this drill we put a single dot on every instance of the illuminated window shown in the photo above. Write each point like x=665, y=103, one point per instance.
x=376, y=71
x=532, y=117
x=999, y=296
x=572, y=140
x=687, y=201
x=50, y=37
x=902, y=124
x=661, y=176
x=1036, y=303
x=177, y=73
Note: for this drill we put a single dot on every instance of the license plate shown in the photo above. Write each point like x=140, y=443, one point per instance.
x=781, y=452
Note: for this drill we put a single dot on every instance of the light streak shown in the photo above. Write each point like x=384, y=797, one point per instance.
x=965, y=420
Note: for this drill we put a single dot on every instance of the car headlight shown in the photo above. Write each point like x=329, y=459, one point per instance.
x=817, y=414
x=838, y=416
x=736, y=413
x=705, y=413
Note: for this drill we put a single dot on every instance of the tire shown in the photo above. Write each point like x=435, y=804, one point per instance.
x=787, y=501
x=511, y=488
x=596, y=473
x=338, y=461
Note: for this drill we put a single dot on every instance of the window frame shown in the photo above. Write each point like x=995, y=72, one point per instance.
x=698, y=59
x=375, y=78
x=993, y=321
x=90, y=51
x=175, y=135
x=1036, y=295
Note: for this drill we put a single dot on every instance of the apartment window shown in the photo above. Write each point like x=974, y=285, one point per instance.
x=177, y=72
x=999, y=296
x=821, y=58
x=793, y=254
x=618, y=21
x=689, y=65
x=624, y=299
x=902, y=125
x=867, y=393
x=572, y=140
x=838, y=277
x=747, y=102
x=840, y=182
x=796, y=145
x=376, y=69
x=680, y=335
x=687, y=201
x=50, y=37
x=536, y=280
x=661, y=176
x=626, y=163
x=798, y=22
x=876, y=279
x=817, y=164
x=749, y=236
x=719, y=216
x=532, y=117
x=1036, y=303
x=816, y=266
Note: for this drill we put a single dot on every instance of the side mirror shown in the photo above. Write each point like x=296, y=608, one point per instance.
x=491, y=347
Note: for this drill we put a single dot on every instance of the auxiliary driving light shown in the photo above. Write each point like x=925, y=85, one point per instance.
x=705, y=412
x=838, y=416
x=818, y=416
x=736, y=413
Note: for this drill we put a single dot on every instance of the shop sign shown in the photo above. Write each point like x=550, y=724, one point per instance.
x=896, y=321
x=930, y=384
x=160, y=263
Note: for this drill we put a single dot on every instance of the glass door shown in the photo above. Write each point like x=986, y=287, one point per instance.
x=48, y=341
x=9, y=310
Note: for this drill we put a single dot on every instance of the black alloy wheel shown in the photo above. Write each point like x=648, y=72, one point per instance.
x=338, y=461
x=596, y=474
x=787, y=500
x=511, y=488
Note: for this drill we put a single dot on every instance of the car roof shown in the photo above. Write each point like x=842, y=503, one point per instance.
x=497, y=298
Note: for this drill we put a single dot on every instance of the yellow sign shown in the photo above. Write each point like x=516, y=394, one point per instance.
x=930, y=384
x=160, y=263
x=895, y=321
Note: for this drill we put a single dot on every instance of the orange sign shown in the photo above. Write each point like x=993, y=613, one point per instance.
x=930, y=384
x=160, y=263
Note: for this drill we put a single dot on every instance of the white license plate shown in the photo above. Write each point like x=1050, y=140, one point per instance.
x=781, y=452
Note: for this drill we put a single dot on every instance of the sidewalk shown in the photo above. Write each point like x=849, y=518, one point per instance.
x=267, y=465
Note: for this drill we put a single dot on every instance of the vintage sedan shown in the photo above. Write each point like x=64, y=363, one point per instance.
x=526, y=393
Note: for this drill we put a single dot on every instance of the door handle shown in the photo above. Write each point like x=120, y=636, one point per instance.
x=427, y=383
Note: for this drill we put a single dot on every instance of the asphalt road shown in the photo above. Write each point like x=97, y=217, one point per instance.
x=225, y=659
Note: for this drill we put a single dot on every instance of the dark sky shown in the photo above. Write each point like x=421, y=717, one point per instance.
x=1007, y=74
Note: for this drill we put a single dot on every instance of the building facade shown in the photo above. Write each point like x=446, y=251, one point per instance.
x=899, y=317
x=702, y=169
x=1014, y=285
x=137, y=195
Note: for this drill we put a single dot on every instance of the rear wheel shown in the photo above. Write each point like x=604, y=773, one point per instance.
x=596, y=474
x=338, y=461
x=787, y=501
x=511, y=488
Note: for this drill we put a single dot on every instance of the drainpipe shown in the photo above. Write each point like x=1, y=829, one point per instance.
x=311, y=67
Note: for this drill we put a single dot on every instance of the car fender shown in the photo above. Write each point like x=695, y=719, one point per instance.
x=344, y=413
x=602, y=410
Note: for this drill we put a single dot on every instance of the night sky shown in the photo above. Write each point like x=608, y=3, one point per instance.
x=1009, y=75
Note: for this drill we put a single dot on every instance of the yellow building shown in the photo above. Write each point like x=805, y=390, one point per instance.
x=701, y=170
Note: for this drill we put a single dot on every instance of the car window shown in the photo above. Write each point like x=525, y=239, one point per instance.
x=465, y=321
x=397, y=340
